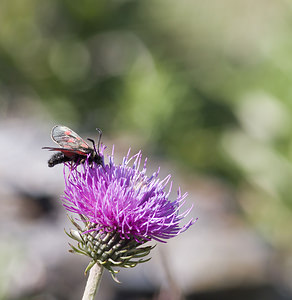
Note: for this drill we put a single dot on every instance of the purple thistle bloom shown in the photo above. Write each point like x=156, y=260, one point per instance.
x=122, y=199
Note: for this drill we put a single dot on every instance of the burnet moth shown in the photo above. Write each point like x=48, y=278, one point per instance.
x=73, y=147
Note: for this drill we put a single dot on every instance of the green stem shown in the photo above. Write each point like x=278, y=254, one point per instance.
x=93, y=281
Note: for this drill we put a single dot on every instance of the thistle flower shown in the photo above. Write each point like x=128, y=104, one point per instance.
x=121, y=209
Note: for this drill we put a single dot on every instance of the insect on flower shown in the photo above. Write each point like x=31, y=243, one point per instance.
x=73, y=147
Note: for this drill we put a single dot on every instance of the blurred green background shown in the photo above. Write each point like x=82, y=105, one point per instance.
x=205, y=83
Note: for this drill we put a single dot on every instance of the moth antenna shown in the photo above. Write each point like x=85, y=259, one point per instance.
x=99, y=138
x=93, y=143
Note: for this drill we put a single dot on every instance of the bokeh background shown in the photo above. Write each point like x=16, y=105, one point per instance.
x=204, y=88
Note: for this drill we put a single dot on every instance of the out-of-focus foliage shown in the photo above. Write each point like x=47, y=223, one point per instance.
x=206, y=83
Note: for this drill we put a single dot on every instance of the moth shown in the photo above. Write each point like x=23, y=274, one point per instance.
x=73, y=148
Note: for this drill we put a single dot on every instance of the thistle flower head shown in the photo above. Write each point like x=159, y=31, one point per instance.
x=121, y=204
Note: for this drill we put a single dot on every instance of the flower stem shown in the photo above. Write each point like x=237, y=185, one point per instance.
x=93, y=281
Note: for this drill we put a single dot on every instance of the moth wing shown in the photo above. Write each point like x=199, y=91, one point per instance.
x=68, y=139
x=67, y=151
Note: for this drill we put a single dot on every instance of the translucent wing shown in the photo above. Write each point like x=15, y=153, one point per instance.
x=68, y=139
x=67, y=152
